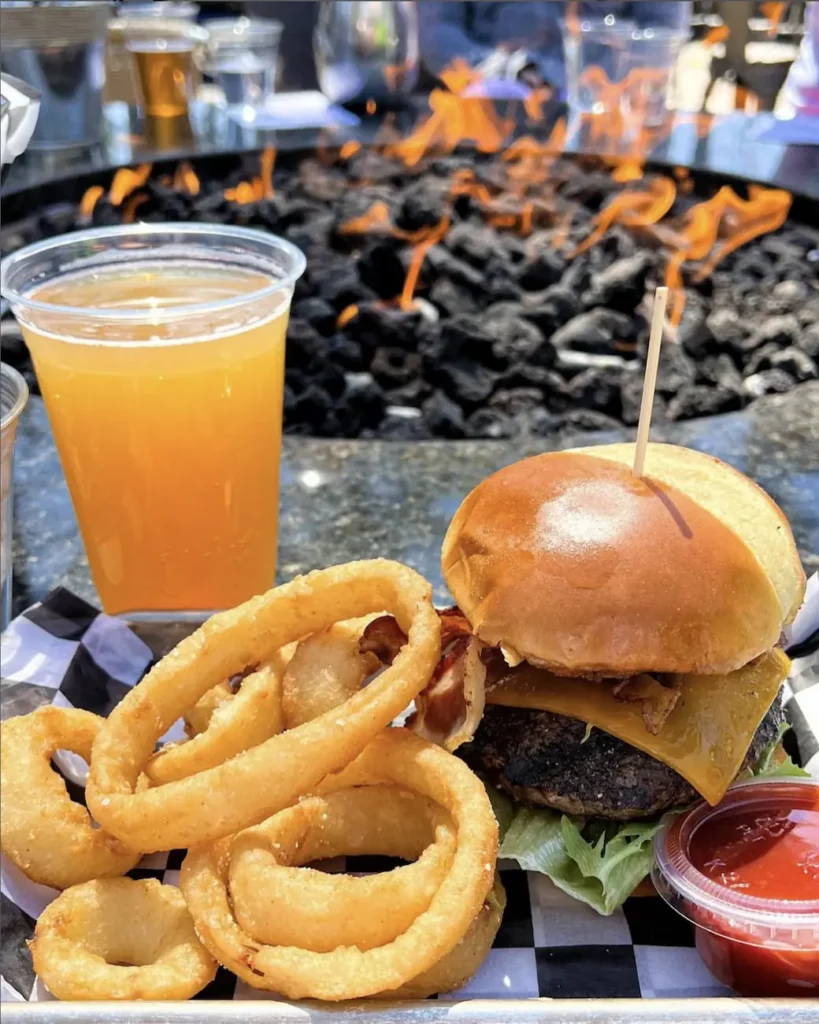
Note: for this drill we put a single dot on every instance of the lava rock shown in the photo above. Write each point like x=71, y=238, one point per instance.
x=346, y=353
x=452, y=299
x=439, y=260
x=621, y=286
x=331, y=379
x=473, y=242
x=529, y=375
x=701, y=400
x=468, y=336
x=363, y=399
x=809, y=342
x=631, y=394
x=586, y=419
x=768, y=382
x=318, y=313
x=380, y=268
x=795, y=362
x=778, y=330
x=727, y=329
x=569, y=363
x=393, y=367
x=597, y=389
x=412, y=393
x=491, y=423
x=344, y=290
x=401, y=428
x=675, y=370
x=719, y=370
x=515, y=340
x=305, y=346
x=465, y=381
x=423, y=205
x=577, y=276
x=443, y=416
x=515, y=401
x=594, y=331
x=544, y=270
x=312, y=405
x=375, y=326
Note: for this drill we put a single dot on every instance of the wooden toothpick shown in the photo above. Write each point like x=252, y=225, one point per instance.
x=650, y=380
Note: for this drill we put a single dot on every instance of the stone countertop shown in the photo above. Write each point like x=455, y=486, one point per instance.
x=343, y=500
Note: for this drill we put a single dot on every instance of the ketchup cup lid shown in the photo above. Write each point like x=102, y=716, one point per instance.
x=787, y=924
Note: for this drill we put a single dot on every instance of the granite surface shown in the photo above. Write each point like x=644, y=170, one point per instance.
x=342, y=500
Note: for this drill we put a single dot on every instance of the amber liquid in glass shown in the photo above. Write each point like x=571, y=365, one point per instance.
x=165, y=70
x=169, y=432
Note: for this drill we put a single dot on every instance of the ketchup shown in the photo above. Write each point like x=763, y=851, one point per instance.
x=746, y=873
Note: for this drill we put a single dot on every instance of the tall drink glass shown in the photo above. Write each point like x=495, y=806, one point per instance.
x=13, y=398
x=159, y=349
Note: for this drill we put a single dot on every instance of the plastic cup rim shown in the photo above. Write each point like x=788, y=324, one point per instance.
x=17, y=379
x=274, y=243
x=676, y=872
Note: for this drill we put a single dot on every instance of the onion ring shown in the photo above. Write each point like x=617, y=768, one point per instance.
x=463, y=960
x=395, y=756
x=117, y=938
x=325, y=670
x=198, y=717
x=47, y=835
x=260, y=781
x=281, y=903
x=248, y=718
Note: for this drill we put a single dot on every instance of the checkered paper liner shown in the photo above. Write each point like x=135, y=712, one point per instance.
x=65, y=652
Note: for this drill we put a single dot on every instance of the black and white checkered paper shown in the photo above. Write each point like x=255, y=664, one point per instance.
x=65, y=652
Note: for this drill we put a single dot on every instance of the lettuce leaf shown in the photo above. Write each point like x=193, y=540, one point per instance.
x=599, y=865
x=597, y=862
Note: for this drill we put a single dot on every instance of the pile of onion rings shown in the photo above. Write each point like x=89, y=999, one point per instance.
x=397, y=758
x=287, y=702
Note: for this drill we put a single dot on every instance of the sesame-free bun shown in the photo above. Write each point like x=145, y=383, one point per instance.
x=571, y=562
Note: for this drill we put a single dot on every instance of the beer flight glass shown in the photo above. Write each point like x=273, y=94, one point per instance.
x=159, y=349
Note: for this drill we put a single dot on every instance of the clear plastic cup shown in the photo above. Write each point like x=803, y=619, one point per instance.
x=159, y=349
x=616, y=66
x=757, y=946
x=13, y=398
x=243, y=57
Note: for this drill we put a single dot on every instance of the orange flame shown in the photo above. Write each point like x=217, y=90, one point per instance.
x=454, y=119
x=773, y=12
x=741, y=220
x=633, y=208
x=185, y=179
x=377, y=217
x=372, y=106
x=345, y=316
x=717, y=34
x=126, y=181
x=90, y=199
x=134, y=202
x=349, y=149
x=266, y=167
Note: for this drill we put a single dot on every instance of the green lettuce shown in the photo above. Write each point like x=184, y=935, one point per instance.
x=597, y=862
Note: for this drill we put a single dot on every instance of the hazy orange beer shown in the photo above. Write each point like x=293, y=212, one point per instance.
x=160, y=354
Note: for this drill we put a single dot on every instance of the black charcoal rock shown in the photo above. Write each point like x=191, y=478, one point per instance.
x=768, y=382
x=621, y=286
x=594, y=331
x=701, y=400
x=443, y=416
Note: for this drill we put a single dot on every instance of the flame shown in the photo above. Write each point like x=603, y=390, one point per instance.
x=535, y=101
x=134, y=202
x=377, y=217
x=345, y=316
x=633, y=208
x=126, y=181
x=717, y=34
x=266, y=166
x=372, y=106
x=185, y=179
x=741, y=220
x=349, y=149
x=454, y=119
x=773, y=12
x=418, y=254
x=90, y=199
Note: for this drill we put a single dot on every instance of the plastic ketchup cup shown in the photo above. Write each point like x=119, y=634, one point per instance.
x=746, y=874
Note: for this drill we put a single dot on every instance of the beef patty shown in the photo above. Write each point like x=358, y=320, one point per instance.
x=541, y=758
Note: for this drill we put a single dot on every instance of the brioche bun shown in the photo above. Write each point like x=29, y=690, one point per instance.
x=571, y=562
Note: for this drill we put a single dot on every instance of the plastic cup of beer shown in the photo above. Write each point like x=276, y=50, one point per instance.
x=165, y=72
x=159, y=349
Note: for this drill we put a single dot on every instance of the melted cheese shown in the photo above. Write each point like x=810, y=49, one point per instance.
x=704, y=739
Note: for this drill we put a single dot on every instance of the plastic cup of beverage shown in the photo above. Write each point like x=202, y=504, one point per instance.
x=159, y=349
x=243, y=59
x=13, y=398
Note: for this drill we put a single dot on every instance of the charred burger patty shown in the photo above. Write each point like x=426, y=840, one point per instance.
x=545, y=759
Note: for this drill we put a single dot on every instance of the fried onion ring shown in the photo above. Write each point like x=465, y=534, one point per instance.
x=463, y=960
x=43, y=831
x=281, y=903
x=198, y=717
x=394, y=756
x=117, y=938
x=325, y=670
x=258, y=782
x=248, y=718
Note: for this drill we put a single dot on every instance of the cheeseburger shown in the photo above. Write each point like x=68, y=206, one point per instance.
x=629, y=629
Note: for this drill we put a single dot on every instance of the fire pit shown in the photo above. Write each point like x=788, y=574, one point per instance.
x=496, y=294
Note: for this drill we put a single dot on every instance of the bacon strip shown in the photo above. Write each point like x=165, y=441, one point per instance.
x=384, y=638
